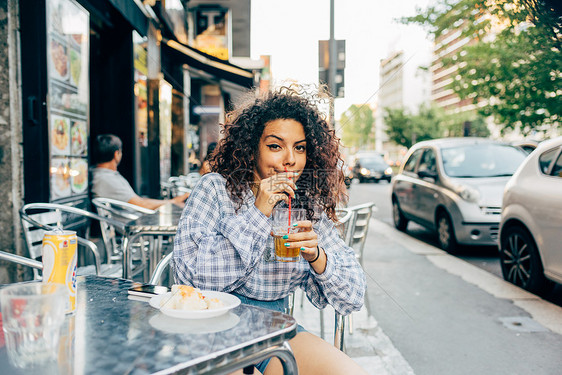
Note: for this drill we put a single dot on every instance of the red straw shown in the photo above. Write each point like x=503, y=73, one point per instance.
x=289, y=207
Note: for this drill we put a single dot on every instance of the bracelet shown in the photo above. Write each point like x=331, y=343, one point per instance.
x=317, y=256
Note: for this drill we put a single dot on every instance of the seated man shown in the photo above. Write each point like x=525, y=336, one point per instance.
x=108, y=183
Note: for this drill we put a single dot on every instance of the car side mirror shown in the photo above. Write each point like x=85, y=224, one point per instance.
x=427, y=174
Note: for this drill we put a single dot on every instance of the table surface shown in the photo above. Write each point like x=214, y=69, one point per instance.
x=114, y=334
x=167, y=216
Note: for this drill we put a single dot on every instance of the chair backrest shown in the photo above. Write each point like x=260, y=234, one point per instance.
x=190, y=180
x=345, y=217
x=359, y=228
x=122, y=212
x=37, y=218
x=162, y=266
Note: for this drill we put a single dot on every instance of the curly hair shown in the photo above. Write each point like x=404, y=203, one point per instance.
x=321, y=183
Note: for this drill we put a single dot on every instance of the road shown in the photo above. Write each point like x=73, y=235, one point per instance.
x=484, y=257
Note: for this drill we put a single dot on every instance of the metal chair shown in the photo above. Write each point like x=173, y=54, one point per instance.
x=112, y=235
x=356, y=236
x=190, y=180
x=37, y=218
x=357, y=233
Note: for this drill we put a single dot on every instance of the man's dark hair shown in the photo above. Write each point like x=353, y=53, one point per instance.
x=105, y=147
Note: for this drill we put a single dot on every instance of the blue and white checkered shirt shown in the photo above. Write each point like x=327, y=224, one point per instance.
x=216, y=248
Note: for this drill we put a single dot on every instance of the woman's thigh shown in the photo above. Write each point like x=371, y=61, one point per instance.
x=316, y=356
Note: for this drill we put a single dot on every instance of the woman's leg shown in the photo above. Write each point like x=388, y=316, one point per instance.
x=316, y=356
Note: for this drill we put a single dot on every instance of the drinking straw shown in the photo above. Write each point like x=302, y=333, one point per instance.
x=289, y=207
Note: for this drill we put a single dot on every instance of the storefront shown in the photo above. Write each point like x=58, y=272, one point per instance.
x=81, y=68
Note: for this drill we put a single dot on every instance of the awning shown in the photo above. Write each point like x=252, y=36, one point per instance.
x=209, y=64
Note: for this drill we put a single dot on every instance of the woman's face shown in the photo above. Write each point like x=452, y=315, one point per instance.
x=282, y=147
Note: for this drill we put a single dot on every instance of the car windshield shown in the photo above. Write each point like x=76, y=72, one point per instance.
x=482, y=160
x=371, y=161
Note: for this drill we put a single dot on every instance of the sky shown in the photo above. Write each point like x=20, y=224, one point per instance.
x=289, y=31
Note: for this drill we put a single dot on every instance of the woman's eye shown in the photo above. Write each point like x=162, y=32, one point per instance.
x=274, y=147
x=300, y=148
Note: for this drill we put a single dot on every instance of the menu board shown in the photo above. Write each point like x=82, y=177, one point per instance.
x=68, y=28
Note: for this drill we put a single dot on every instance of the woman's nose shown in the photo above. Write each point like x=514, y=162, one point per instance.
x=289, y=158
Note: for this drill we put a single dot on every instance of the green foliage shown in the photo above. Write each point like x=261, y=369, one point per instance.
x=357, y=123
x=513, y=61
x=406, y=129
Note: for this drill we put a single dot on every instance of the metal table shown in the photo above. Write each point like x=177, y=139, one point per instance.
x=163, y=223
x=113, y=334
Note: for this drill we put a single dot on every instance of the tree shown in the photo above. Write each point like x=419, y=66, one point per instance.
x=357, y=123
x=406, y=129
x=513, y=61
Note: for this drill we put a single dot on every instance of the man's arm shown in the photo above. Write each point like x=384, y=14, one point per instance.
x=155, y=203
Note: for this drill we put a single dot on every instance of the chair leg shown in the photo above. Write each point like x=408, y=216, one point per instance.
x=339, y=331
x=350, y=322
x=291, y=306
x=302, y=299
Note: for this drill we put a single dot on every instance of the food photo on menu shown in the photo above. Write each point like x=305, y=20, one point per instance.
x=66, y=99
x=79, y=138
x=59, y=60
x=60, y=178
x=75, y=67
x=79, y=175
x=60, y=135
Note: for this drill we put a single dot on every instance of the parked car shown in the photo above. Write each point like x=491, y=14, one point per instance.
x=454, y=186
x=371, y=167
x=527, y=145
x=531, y=220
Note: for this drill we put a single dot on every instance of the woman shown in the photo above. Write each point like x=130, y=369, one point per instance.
x=275, y=148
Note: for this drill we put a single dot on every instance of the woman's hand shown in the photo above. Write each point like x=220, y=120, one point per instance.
x=307, y=241
x=271, y=190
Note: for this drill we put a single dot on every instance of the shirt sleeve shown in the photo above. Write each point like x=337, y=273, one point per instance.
x=216, y=248
x=112, y=186
x=342, y=285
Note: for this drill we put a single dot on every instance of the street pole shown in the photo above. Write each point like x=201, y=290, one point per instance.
x=332, y=67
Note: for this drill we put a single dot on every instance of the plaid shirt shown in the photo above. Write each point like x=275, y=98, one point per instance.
x=216, y=248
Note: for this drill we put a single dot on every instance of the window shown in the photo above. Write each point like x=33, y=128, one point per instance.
x=545, y=159
x=412, y=161
x=427, y=162
x=557, y=168
x=482, y=160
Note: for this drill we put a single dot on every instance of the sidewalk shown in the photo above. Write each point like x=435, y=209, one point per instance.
x=433, y=313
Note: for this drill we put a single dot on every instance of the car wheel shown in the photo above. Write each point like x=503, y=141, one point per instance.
x=376, y=181
x=446, y=232
x=361, y=180
x=520, y=261
x=400, y=222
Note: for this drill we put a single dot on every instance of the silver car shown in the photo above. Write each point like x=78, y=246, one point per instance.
x=454, y=186
x=531, y=221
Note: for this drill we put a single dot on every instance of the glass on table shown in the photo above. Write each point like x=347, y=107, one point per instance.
x=32, y=315
x=282, y=226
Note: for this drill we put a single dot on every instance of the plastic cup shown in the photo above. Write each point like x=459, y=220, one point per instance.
x=32, y=315
x=281, y=227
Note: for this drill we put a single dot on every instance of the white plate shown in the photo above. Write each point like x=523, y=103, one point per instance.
x=228, y=300
x=199, y=326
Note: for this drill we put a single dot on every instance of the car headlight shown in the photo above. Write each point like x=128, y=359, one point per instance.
x=469, y=194
x=388, y=170
x=365, y=171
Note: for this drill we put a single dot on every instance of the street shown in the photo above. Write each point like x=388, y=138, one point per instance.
x=428, y=312
x=484, y=257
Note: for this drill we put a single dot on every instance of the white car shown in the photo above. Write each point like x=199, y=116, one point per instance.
x=531, y=222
